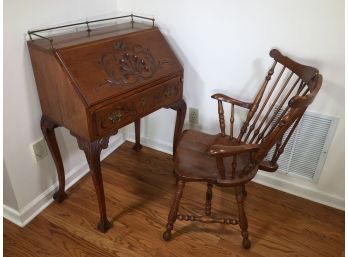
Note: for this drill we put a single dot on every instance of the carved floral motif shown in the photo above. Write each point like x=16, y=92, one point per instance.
x=129, y=64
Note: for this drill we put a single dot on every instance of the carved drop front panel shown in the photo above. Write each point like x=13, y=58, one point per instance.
x=119, y=65
x=129, y=64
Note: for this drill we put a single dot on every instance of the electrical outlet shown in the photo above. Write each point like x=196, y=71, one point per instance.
x=39, y=150
x=193, y=115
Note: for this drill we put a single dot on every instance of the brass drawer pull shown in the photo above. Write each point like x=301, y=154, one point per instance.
x=143, y=101
x=168, y=92
x=115, y=117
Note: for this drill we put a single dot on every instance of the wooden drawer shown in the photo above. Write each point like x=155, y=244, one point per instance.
x=115, y=116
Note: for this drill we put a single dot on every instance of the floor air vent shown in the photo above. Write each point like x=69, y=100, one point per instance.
x=305, y=154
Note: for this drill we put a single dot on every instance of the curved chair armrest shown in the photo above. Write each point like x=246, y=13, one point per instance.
x=268, y=166
x=227, y=99
x=224, y=151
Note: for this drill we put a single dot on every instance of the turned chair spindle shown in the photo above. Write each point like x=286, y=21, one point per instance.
x=231, y=121
x=209, y=197
x=221, y=117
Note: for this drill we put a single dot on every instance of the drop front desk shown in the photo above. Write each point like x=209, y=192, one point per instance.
x=98, y=80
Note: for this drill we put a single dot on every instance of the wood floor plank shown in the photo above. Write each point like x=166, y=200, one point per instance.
x=138, y=189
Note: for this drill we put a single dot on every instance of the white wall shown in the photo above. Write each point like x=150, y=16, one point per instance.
x=9, y=196
x=25, y=180
x=224, y=47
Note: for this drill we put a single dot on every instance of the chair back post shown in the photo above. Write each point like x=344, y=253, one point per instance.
x=231, y=121
x=221, y=117
x=221, y=167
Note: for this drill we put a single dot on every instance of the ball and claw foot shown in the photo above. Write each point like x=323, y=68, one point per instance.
x=246, y=243
x=103, y=226
x=137, y=147
x=59, y=197
x=167, y=235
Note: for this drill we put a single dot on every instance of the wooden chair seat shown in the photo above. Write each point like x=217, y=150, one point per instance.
x=193, y=162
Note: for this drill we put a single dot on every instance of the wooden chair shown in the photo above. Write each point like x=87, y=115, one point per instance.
x=231, y=161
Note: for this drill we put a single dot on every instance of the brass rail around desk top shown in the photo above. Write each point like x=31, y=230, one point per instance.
x=87, y=23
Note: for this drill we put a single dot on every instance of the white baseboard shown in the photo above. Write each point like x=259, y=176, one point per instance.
x=12, y=215
x=32, y=209
x=159, y=145
x=270, y=180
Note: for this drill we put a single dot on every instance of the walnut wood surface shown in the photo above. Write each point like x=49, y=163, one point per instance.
x=82, y=84
x=285, y=94
x=139, y=187
x=180, y=108
x=59, y=101
x=228, y=99
x=47, y=128
x=92, y=151
x=130, y=109
x=96, y=83
x=137, y=146
x=118, y=65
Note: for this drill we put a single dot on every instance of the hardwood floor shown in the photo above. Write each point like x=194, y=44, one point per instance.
x=138, y=189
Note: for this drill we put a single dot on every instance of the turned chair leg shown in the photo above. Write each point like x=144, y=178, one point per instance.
x=209, y=196
x=174, y=210
x=244, y=190
x=243, y=222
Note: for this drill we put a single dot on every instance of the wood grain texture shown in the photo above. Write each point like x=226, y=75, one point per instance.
x=58, y=98
x=114, y=66
x=138, y=189
x=94, y=83
x=47, y=128
x=92, y=151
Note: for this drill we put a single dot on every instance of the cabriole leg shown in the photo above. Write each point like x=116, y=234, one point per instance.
x=92, y=151
x=244, y=190
x=47, y=127
x=180, y=108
